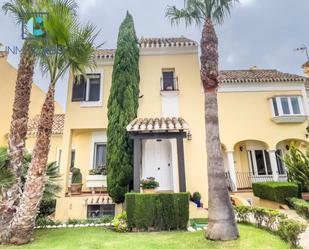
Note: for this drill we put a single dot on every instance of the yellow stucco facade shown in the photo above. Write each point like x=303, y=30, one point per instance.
x=7, y=87
x=249, y=125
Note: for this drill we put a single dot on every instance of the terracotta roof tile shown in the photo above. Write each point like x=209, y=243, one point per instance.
x=258, y=76
x=149, y=42
x=57, y=129
x=157, y=124
x=167, y=42
x=105, y=54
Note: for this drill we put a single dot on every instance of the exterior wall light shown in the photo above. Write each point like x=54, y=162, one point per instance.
x=189, y=136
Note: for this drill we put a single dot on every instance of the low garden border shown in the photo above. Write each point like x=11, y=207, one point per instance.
x=45, y=222
x=273, y=221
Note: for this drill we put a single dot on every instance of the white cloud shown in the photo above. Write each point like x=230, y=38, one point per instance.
x=85, y=5
x=245, y=3
x=230, y=59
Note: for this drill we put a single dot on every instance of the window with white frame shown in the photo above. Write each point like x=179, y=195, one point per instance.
x=169, y=82
x=260, y=165
x=87, y=89
x=97, y=211
x=280, y=163
x=99, y=155
x=259, y=162
x=72, y=163
x=287, y=106
x=93, y=87
x=58, y=160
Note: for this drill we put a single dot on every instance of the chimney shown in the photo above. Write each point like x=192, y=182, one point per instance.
x=253, y=68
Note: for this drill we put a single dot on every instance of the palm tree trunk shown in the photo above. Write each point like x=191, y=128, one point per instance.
x=221, y=225
x=17, y=136
x=23, y=223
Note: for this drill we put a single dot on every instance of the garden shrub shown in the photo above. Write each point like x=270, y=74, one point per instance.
x=101, y=220
x=74, y=222
x=301, y=207
x=272, y=220
x=297, y=163
x=289, y=230
x=275, y=191
x=45, y=221
x=120, y=223
x=164, y=211
x=243, y=213
x=47, y=207
x=263, y=217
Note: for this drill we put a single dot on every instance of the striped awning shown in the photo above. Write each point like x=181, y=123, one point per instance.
x=158, y=125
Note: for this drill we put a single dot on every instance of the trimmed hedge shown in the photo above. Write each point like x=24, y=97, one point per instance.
x=275, y=191
x=301, y=207
x=162, y=211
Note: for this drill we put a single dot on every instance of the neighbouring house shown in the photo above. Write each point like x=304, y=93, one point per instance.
x=7, y=87
x=260, y=111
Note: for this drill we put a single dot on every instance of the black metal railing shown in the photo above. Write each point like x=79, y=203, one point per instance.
x=245, y=180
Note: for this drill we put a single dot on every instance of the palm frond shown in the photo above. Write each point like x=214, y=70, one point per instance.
x=7, y=178
x=197, y=11
x=19, y=9
x=222, y=9
x=52, y=186
x=4, y=157
x=193, y=12
x=76, y=40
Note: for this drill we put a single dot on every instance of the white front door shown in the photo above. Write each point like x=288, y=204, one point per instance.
x=158, y=163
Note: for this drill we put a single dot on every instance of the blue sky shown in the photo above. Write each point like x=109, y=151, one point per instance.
x=262, y=33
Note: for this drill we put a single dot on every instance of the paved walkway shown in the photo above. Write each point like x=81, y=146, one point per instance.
x=195, y=212
x=304, y=238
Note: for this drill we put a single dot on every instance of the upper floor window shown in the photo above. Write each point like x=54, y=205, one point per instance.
x=288, y=109
x=99, y=155
x=87, y=89
x=168, y=81
x=72, y=163
x=287, y=105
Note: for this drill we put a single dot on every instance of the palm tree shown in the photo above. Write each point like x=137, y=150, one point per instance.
x=18, y=130
x=222, y=225
x=7, y=177
x=76, y=53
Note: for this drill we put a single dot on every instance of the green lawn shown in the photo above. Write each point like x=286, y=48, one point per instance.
x=99, y=238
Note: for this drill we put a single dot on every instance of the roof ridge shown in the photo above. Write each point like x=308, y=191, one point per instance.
x=258, y=76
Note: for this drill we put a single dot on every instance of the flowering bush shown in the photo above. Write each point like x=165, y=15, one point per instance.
x=149, y=183
x=120, y=223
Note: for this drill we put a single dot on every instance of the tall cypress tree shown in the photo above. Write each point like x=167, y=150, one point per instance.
x=122, y=109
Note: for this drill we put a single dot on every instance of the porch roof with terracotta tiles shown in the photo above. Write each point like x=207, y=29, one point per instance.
x=171, y=124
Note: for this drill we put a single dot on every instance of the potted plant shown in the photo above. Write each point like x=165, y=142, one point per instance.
x=76, y=183
x=149, y=185
x=196, y=198
x=96, y=178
